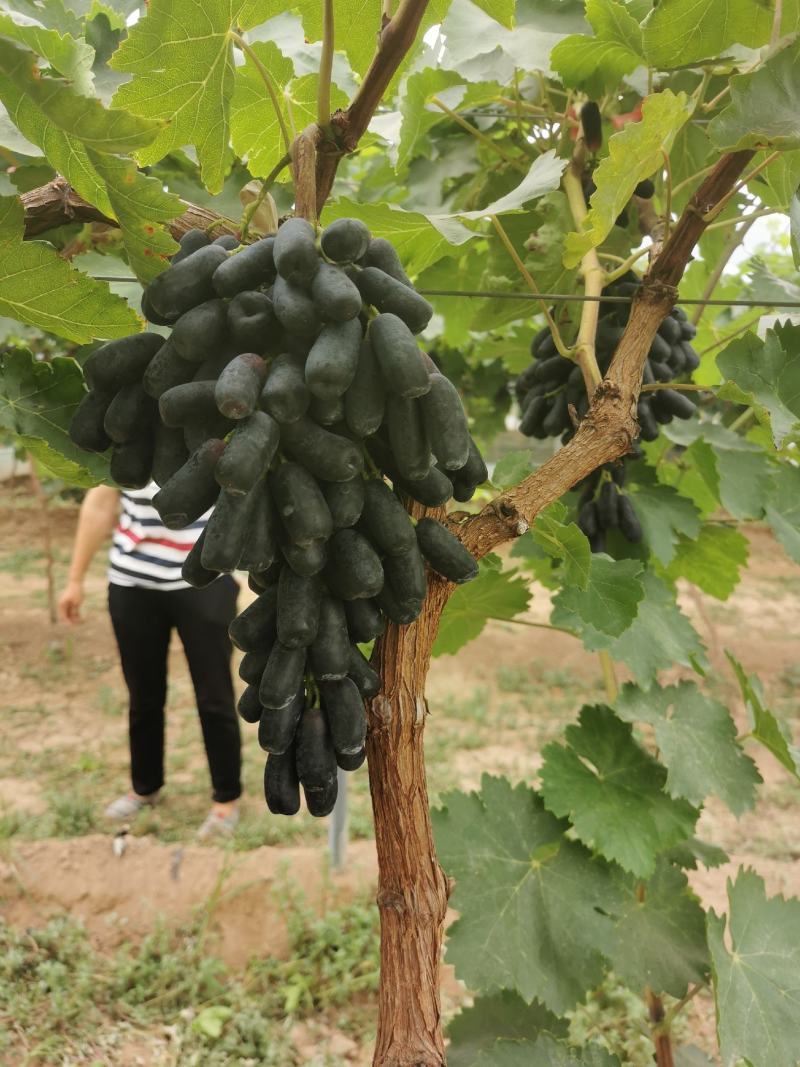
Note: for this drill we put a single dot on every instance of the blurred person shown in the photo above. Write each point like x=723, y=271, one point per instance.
x=147, y=598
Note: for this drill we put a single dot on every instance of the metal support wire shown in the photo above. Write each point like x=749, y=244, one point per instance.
x=556, y=298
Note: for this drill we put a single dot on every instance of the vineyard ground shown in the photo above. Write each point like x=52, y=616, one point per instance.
x=493, y=707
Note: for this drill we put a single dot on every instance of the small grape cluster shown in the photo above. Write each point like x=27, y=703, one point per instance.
x=552, y=398
x=290, y=388
x=603, y=506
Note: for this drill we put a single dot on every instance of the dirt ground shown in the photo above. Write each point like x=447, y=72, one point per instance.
x=493, y=706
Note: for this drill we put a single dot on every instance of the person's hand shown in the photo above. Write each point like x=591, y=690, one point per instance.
x=69, y=603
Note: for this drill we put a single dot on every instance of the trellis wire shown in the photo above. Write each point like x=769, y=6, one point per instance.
x=563, y=298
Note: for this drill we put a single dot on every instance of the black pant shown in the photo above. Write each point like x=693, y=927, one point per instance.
x=143, y=620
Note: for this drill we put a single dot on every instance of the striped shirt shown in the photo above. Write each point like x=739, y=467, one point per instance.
x=143, y=551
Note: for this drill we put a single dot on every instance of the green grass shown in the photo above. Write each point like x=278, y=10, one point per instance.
x=61, y=1001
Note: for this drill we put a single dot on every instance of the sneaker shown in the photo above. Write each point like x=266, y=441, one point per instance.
x=219, y=824
x=126, y=807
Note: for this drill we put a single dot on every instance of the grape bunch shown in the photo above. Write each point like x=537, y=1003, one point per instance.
x=290, y=388
x=603, y=505
x=552, y=397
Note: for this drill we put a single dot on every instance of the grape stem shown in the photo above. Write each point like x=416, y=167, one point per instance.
x=730, y=336
x=269, y=181
x=269, y=82
x=733, y=242
x=534, y=288
x=741, y=184
x=326, y=65
x=593, y=276
x=625, y=265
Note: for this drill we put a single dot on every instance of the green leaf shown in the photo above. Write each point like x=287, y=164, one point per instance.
x=492, y=595
x=181, y=58
x=357, y=22
x=608, y=602
x=664, y=514
x=543, y=177
x=634, y=153
x=38, y=287
x=612, y=791
x=768, y=372
x=757, y=979
x=420, y=114
x=767, y=728
x=255, y=130
x=565, y=541
x=661, y=937
x=764, y=111
x=70, y=56
x=511, y=469
x=545, y=1051
x=677, y=32
x=210, y=1021
x=140, y=204
x=37, y=400
x=598, y=64
x=659, y=637
x=82, y=117
x=712, y=561
x=502, y=1016
x=533, y=905
x=696, y=739
x=420, y=240
x=783, y=509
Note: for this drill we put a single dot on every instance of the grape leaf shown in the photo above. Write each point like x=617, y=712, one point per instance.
x=664, y=514
x=660, y=933
x=768, y=372
x=677, y=32
x=545, y=1051
x=767, y=728
x=612, y=791
x=598, y=64
x=565, y=541
x=38, y=287
x=181, y=58
x=70, y=56
x=783, y=509
x=543, y=177
x=659, y=636
x=420, y=240
x=82, y=117
x=502, y=1016
x=609, y=600
x=633, y=154
x=696, y=739
x=357, y=22
x=757, y=979
x=764, y=111
x=533, y=905
x=37, y=400
x=420, y=114
x=139, y=203
x=254, y=125
x=511, y=469
x=480, y=49
x=712, y=561
x=492, y=595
